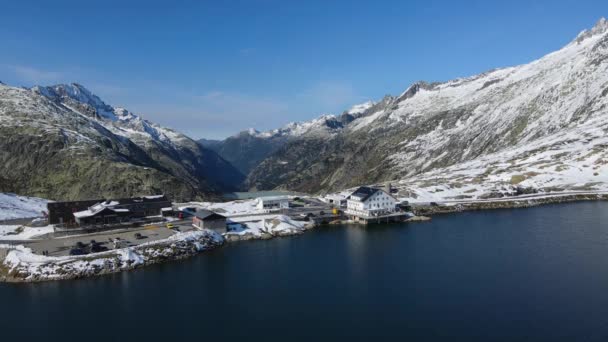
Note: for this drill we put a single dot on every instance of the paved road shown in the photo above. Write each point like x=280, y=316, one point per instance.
x=19, y=221
x=61, y=246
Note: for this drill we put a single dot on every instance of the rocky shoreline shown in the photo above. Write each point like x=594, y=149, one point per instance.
x=265, y=235
x=21, y=265
x=507, y=204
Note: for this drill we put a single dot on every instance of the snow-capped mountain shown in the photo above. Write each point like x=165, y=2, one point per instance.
x=541, y=126
x=248, y=148
x=63, y=142
x=121, y=121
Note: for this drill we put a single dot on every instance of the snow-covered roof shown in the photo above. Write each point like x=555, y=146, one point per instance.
x=97, y=208
x=154, y=196
x=273, y=198
x=205, y=214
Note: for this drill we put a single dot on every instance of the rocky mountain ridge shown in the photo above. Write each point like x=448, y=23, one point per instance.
x=250, y=147
x=540, y=125
x=63, y=142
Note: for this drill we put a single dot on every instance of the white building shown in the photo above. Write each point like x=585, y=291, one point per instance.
x=273, y=203
x=336, y=200
x=370, y=202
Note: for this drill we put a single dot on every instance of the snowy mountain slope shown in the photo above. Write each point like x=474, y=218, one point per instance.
x=14, y=207
x=442, y=127
x=575, y=159
x=122, y=122
x=248, y=148
x=63, y=142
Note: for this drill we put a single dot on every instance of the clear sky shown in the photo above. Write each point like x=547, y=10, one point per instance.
x=213, y=68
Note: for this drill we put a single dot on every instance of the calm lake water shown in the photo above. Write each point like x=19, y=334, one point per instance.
x=536, y=274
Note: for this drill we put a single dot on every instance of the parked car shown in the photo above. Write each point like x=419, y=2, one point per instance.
x=120, y=243
x=77, y=251
x=138, y=236
x=96, y=248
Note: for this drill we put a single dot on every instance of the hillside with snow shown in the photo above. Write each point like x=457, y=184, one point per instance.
x=536, y=127
x=249, y=148
x=13, y=206
x=63, y=142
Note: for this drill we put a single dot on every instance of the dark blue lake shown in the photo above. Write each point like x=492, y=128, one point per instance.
x=538, y=274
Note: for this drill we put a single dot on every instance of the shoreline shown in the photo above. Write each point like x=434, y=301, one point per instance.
x=22, y=266
x=508, y=203
x=186, y=245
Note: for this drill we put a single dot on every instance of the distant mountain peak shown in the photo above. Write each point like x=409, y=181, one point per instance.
x=360, y=108
x=600, y=27
x=415, y=88
x=79, y=94
x=601, y=24
x=253, y=131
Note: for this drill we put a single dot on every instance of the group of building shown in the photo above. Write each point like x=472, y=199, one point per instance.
x=207, y=219
x=368, y=204
x=102, y=212
x=363, y=204
x=107, y=213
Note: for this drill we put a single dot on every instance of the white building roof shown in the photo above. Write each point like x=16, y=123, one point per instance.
x=96, y=208
x=273, y=198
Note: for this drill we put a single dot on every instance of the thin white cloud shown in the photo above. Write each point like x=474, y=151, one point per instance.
x=33, y=75
x=332, y=95
x=246, y=110
x=107, y=90
x=215, y=114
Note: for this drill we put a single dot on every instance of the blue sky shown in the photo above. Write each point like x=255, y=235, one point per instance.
x=211, y=69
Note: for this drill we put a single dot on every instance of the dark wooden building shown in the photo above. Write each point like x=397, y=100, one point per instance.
x=206, y=219
x=102, y=215
x=63, y=212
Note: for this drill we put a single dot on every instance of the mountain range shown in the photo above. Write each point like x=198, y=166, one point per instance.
x=63, y=142
x=536, y=127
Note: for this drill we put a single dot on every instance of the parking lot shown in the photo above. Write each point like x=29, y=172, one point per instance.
x=62, y=246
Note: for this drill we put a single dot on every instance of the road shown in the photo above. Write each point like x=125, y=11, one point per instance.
x=60, y=246
x=514, y=198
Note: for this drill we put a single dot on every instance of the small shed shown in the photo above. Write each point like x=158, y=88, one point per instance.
x=167, y=212
x=207, y=219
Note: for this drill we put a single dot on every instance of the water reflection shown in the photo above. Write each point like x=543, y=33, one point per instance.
x=499, y=275
x=356, y=249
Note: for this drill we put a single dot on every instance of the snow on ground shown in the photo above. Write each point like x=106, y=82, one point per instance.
x=228, y=209
x=246, y=220
x=19, y=232
x=21, y=260
x=574, y=160
x=273, y=225
x=14, y=207
x=360, y=108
